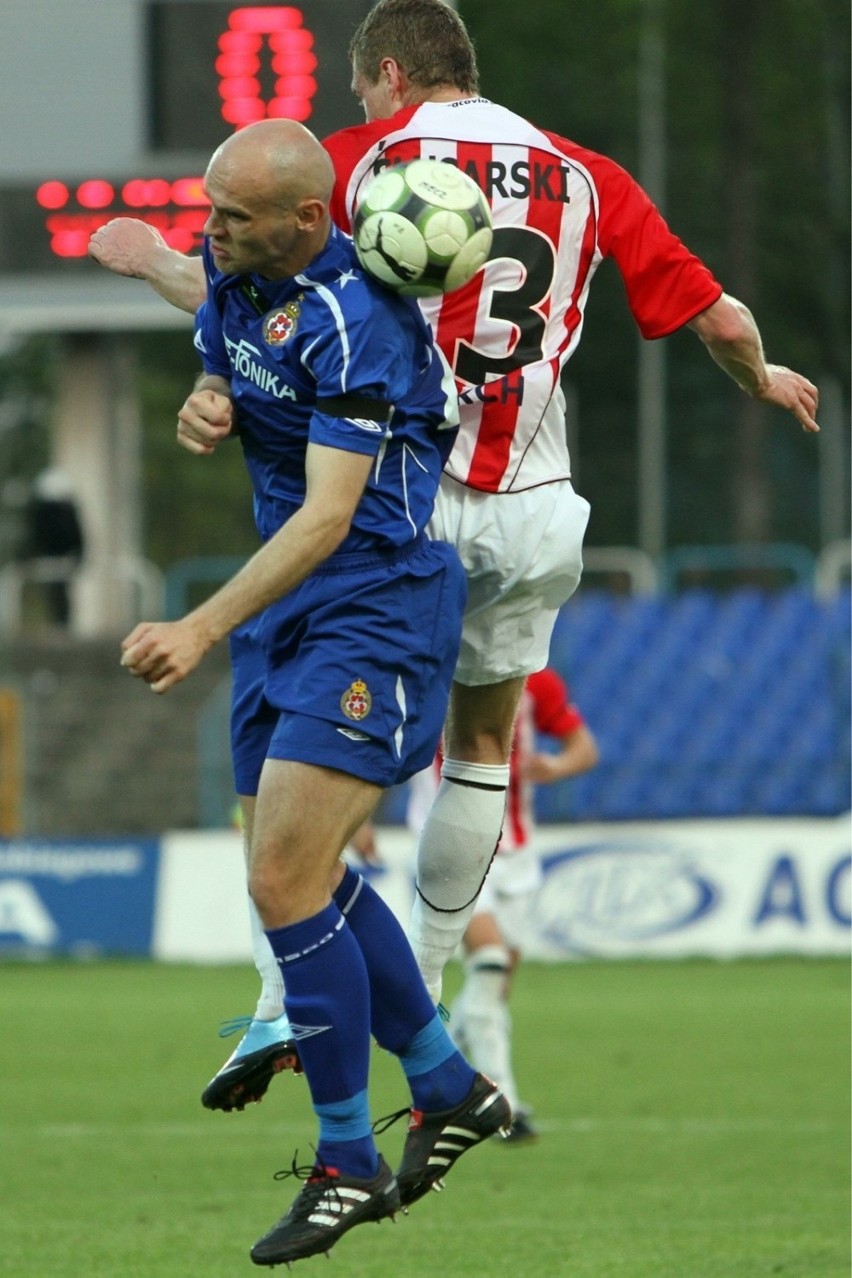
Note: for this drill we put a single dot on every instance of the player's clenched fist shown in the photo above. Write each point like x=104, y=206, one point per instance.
x=126, y=245
x=204, y=421
x=164, y=652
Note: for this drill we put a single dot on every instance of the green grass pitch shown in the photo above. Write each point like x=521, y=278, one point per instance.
x=694, y=1122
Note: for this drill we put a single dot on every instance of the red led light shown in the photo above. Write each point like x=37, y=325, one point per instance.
x=256, y=19
x=239, y=42
x=192, y=220
x=262, y=46
x=95, y=194
x=239, y=87
x=140, y=193
x=295, y=86
x=228, y=64
x=242, y=111
x=189, y=191
x=290, y=41
x=70, y=243
x=52, y=195
x=288, y=109
x=298, y=63
x=178, y=238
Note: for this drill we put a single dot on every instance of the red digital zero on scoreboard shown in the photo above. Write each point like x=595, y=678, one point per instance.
x=278, y=33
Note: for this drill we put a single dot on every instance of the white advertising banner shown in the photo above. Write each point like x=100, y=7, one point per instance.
x=201, y=908
x=680, y=888
x=668, y=889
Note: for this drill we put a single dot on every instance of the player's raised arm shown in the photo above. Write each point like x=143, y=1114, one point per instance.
x=129, y=246
x=164, y=653
x=728, y=330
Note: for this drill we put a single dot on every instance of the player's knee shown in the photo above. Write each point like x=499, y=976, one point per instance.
x=494, y=959
x=488, y=747
x=273, y=878
x=263, y=889
x=480, y=739
x=481, y=722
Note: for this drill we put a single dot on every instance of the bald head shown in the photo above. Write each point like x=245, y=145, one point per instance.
x=269, y=185
x=281, y=157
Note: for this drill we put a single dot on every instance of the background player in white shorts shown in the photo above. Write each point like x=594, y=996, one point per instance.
x=559, y=210
x=493, y=943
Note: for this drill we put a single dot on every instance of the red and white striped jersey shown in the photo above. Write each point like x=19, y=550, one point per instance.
x=558, y=211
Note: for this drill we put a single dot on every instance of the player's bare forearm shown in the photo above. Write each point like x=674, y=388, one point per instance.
x=336, y=481
x=129, y=246
x=363, y=844
x=164, y=653
x=578, y=754
x=728, y=330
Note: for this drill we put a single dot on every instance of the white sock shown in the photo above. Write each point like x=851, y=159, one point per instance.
x=456, y=846
x=270, y=1005
x=487, y=1023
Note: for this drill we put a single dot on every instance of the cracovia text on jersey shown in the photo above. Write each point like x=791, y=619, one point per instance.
x=518, y=181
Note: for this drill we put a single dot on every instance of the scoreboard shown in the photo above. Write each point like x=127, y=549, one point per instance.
x=202, y=68
x=46, y=227
x=250, y=62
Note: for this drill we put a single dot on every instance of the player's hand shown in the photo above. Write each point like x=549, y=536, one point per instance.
x=126, y=246
x=164, y=652
x=204, y=421
x=363, y=844
x=541, y=769
x=792, y=391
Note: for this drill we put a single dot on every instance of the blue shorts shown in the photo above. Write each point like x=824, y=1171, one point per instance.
x=352, y=669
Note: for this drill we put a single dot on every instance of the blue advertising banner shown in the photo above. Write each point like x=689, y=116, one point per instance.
x=77, y=897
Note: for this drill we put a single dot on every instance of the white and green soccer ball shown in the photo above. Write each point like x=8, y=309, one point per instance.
x=422, y=228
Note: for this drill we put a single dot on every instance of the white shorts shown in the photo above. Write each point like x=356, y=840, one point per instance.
x=509, y=891
x=522, y=553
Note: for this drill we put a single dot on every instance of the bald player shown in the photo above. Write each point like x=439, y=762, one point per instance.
x=344, y=630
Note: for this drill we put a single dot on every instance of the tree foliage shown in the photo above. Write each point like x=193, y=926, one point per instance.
x=757, y=184
x=193, y=505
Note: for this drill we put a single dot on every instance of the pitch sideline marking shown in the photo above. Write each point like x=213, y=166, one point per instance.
x=549, y=1126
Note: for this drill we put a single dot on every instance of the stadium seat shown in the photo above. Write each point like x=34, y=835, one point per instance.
x=705, y=704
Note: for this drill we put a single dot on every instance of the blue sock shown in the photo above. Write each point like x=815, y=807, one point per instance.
x=403, y=1016
x=437, y=1073
x=327, y=999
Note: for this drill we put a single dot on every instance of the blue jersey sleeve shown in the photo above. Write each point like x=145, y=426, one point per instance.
x=209, y=342
x=352, y=434
x=361, y=367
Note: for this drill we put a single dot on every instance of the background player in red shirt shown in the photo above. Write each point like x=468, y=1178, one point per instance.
x=506, y=501
x=480, y=1022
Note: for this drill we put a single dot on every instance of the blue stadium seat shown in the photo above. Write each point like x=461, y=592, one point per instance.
x=708, y=704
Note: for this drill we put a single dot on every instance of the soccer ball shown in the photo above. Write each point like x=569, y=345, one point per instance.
x=422, y=228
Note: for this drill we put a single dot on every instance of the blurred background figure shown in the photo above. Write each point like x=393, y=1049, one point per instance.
x=53, y=542
x=493, y=943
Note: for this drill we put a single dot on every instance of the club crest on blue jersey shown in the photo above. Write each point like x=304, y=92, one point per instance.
x=280, y=325
x=356, y=701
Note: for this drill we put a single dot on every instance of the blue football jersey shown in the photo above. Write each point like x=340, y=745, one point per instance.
x=331, y=357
